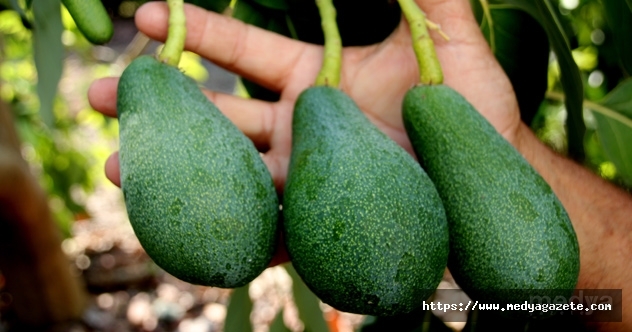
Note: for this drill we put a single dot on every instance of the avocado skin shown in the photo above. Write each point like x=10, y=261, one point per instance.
x=199, y=197
x=509, y=233
x=363, y=224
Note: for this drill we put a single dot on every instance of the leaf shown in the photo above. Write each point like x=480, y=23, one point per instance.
x=614, y=128
x=48, y=52
x=16, y=6
x=544, y=13
x=278, y=325
x=521, y=47
x=307, y=304
x=620, y=98
x=619, y=16
x=238, y=312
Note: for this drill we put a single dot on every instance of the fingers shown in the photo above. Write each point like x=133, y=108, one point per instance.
x=261, y=56
x=112, y=169
x=253, y=117
x=455, y=17
x=102, y=95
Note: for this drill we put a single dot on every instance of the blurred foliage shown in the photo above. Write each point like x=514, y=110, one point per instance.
x=591, y=57
x=307, y=303
x=602, y=59
x=238, y=311
x=68, y=164
x=67, y=145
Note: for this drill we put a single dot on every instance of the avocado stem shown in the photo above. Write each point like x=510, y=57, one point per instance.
x=329, y=74
x=174, y=46
x=430, y=72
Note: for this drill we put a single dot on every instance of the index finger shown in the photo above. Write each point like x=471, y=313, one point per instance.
x=261, y=56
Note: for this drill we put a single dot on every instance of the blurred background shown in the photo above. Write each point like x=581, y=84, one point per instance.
x=69, y=260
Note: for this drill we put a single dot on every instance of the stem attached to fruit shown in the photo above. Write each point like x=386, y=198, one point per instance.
x=429, y=68
x=174, y=46
x=329, y=74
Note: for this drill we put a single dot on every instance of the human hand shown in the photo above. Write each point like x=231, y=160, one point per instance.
x=376, y=77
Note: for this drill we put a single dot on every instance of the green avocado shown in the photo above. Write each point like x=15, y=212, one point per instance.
x=509, y=233
x=92, y=19
x=199, y=197
x=364, y=225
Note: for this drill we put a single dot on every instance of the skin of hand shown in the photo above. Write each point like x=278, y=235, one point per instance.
x=377, y=78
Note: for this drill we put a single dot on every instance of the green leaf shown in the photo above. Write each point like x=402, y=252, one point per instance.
x=620, y=98
x=307, y=304
x=629, y=4
x=238, y=312
x=543, y=12
x=521, y=46
x=217, y=6
x=614, y=128
x=619, y=16
x=278, y=325
x=16, y=6
x=48, y=52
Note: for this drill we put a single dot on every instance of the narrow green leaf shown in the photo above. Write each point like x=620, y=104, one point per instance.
x=620, y=98
x=615, y=136
x=238, y=312
x=48, y=52
x=619, y=16
x=278, y=325
x=544, y=13
x=629, y=4
x=614, y=128
x=307, y=303
x=16, y=6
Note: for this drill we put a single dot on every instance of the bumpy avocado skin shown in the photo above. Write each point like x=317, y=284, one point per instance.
x=509, y=233
x=364, y=226
x=199, y=197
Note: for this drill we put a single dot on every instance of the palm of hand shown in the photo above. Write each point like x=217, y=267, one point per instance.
x=376, y=77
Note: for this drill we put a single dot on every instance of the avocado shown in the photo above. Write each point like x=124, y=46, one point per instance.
x=509, y=233
x=363, y=224
x=199, y=197
x=91, y=19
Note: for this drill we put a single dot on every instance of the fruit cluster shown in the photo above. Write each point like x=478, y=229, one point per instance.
x=367, y=228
